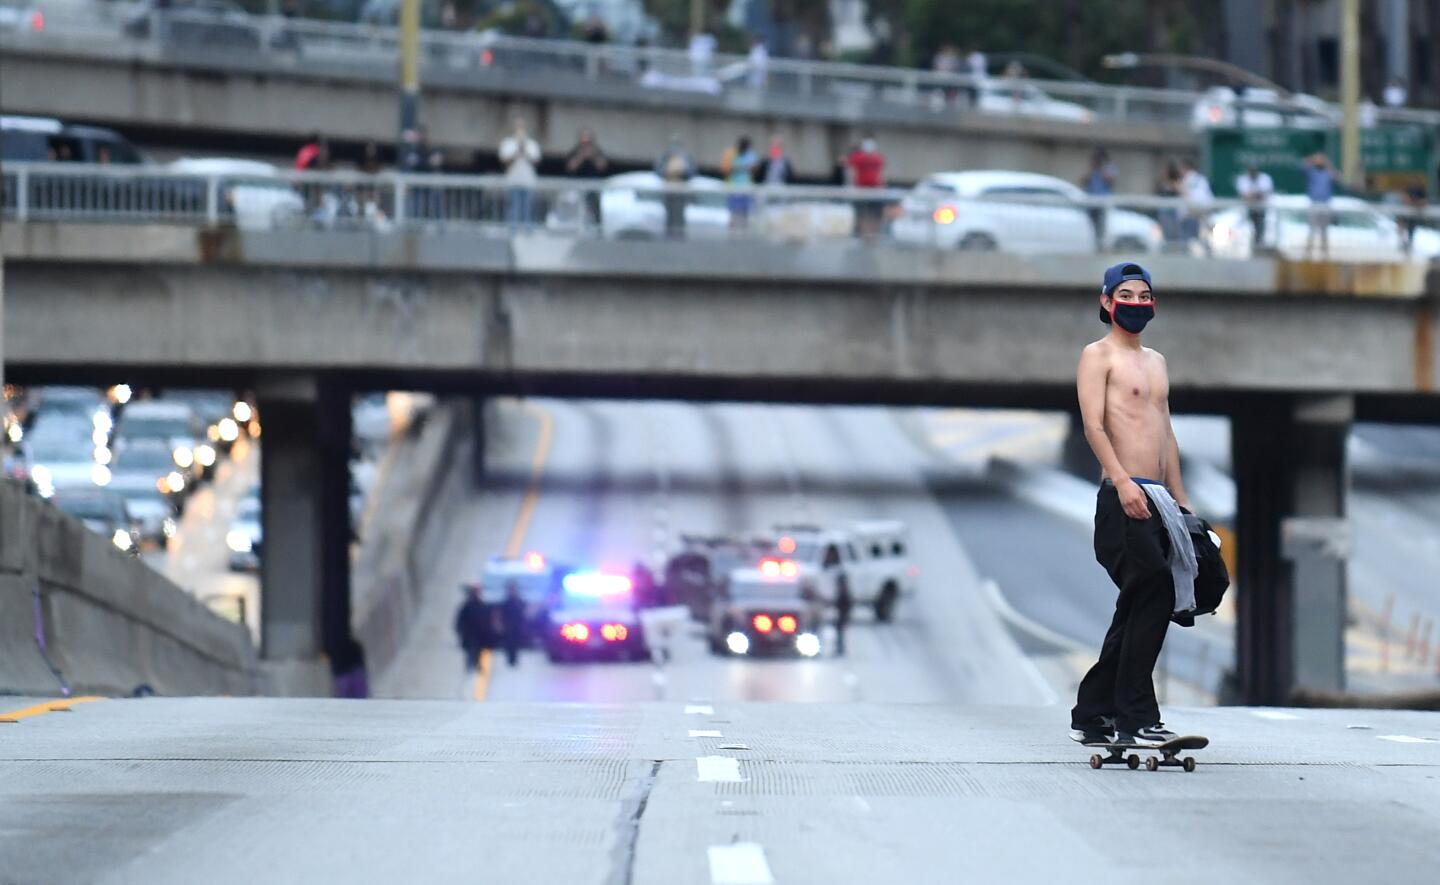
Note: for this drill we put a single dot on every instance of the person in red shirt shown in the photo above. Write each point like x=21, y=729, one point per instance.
x=866, y=166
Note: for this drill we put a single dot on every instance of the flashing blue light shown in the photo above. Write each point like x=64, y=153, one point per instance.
x=595, y=584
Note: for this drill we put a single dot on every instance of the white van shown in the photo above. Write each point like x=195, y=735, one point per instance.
x=873, y=557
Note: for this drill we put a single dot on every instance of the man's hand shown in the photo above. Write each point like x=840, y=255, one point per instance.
x=1133, y=498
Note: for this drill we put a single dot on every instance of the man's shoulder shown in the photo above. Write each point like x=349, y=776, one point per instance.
x=1099, y=349
x=1155, y=354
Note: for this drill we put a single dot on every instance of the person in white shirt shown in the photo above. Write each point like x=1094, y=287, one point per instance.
x=1255, y=188
x=975, y=65
x=1195, y=189
x=519, y=154
x=1395, y=93
x=701, y=52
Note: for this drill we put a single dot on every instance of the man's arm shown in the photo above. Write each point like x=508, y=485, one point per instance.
x=1090, y=382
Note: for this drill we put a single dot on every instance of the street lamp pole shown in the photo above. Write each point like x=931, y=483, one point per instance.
x=409, y=64
x=1350, y=92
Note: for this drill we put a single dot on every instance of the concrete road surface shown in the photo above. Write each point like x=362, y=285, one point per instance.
x=703, y=791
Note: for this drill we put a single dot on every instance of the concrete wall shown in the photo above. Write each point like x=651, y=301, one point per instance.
x=430, y=475
x=468, y=110
x=109, y=622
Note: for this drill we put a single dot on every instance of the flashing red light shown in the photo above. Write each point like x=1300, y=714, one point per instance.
x=789, y=569
x=534, y=562
x=487, y=58
x=946, y=215
x=615, y=632
x=575, y=633
x=786, y=623
x=786, y=544
x=763, y=623
x=37, y=21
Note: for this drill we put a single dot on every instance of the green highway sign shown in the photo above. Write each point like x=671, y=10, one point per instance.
x=1393, y=157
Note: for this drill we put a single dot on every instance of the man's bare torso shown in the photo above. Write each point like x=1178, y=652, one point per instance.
x=1137, y=389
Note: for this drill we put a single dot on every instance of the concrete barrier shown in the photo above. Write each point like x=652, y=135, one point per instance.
x=108, y=623
x=432, y=473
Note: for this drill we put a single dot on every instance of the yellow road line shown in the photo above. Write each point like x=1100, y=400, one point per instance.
x=59, y=705
x=482, y=675
x=522, y=522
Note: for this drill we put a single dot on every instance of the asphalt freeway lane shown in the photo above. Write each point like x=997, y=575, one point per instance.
x=621, y=480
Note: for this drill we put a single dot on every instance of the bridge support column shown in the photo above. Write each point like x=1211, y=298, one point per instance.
x=1290, y=476
x=305, y=561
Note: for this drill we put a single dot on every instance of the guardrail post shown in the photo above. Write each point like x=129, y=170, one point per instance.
x=401, y=198
x=592, y=65
x=22, y=192
x=1122, y=104
x=212, y=201
x=911, y=89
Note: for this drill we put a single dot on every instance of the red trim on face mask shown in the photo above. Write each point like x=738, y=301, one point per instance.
x=1116, y=302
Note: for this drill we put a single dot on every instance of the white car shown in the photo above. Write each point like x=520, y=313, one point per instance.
x=632, y=207
x=1356, y=232
x=1021, y=98
x=968, y=210
x=250, y=191
x=873, y=557
x=1221, y=106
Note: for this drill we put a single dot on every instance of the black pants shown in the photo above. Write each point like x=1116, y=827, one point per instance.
x=512, y=653
x=1134, y=552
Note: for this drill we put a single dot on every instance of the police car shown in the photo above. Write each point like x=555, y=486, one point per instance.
x=593, y=616
x=873, y=556
x=768, y=609
x=534, y=578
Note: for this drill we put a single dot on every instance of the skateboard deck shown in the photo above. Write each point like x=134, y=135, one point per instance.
x=1157, y=756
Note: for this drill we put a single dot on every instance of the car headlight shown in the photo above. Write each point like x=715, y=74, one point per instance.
x=228, y=430
x=239, y=541
x=15, y=432
x=103, y=455
x=242, y=411
x=205, y=455
x=100, y=475
x=102, y=421
x=174, y=483
x=122, y=539
x=183, y=457
x=738, y=643
x=808, y=644
x=121, y=393
x=41, y=474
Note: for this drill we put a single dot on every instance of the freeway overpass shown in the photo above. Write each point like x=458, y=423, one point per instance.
x=1293, y=353
x=241, y=100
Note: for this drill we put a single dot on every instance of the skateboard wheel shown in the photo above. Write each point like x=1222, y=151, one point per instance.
x=1189, y=763
x=1152, y=764
x=1096, y=761
x=1133, y=761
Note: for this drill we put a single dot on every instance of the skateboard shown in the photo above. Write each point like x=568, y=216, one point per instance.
x=1167, y=753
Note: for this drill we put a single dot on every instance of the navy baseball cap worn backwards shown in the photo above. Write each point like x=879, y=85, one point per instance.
x=1123, y=272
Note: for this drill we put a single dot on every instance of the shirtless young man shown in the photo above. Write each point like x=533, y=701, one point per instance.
x=1124, y=402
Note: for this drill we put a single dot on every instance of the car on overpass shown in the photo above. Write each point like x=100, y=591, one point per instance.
x=46, y=139
x=1259, y=108
x=1357, y=232
x=1017, y=212
x=765, y=609
x=1021, y=98
x=252, y=195
x=593, y=615
x=632, y=207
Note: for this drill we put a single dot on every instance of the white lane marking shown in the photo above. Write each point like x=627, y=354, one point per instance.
x=1406, y=739
x=705, y=733
x=717, y=769
x=1276, y=715
x=699, y=710
x=743, y=863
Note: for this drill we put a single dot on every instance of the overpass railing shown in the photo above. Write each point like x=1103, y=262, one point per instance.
x=639, y=206
x=290, y=43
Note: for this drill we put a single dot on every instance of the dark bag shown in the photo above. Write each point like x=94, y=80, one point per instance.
x=1213, y=578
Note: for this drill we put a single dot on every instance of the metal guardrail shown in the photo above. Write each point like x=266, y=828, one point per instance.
x=293, y=43
x=639, y=207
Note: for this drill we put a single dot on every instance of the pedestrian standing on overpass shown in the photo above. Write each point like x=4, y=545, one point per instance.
x=1320, y=184
x=844, y=604
x=1141, y=537
x=512, y=623
x=472, y=627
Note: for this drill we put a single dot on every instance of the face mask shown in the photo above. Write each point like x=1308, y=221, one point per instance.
x=1132, y=317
